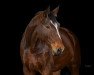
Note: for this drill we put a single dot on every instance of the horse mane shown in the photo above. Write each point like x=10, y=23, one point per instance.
x=38, y=19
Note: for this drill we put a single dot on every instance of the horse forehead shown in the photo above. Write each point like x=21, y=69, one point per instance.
x=52, y=18
x=55, y=25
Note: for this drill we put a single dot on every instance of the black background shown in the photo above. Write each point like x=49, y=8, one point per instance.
x=76, y=15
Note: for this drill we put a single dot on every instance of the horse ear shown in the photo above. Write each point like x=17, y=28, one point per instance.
x=55, y=11
x=47, y=11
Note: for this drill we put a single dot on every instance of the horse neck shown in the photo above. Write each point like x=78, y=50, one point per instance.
x=26, y=38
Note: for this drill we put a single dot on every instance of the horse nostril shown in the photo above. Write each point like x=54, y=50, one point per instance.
x=59, y=49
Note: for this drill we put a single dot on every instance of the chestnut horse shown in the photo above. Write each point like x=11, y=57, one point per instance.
x=47, y=48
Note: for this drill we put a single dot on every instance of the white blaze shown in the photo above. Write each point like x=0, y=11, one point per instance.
x=55, y=25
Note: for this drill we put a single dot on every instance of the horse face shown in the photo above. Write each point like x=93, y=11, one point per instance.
x=55, y=38
x=48, y=32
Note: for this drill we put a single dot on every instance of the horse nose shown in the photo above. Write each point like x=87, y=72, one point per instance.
x=59, y=50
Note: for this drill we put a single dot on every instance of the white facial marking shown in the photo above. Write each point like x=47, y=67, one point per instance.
x=56, y=28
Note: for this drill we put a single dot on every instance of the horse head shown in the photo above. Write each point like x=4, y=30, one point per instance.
x=46, y=31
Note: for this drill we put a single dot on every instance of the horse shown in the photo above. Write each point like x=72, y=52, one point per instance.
x=47, y=48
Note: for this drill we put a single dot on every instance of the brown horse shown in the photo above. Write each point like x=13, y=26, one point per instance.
x=47, y=48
